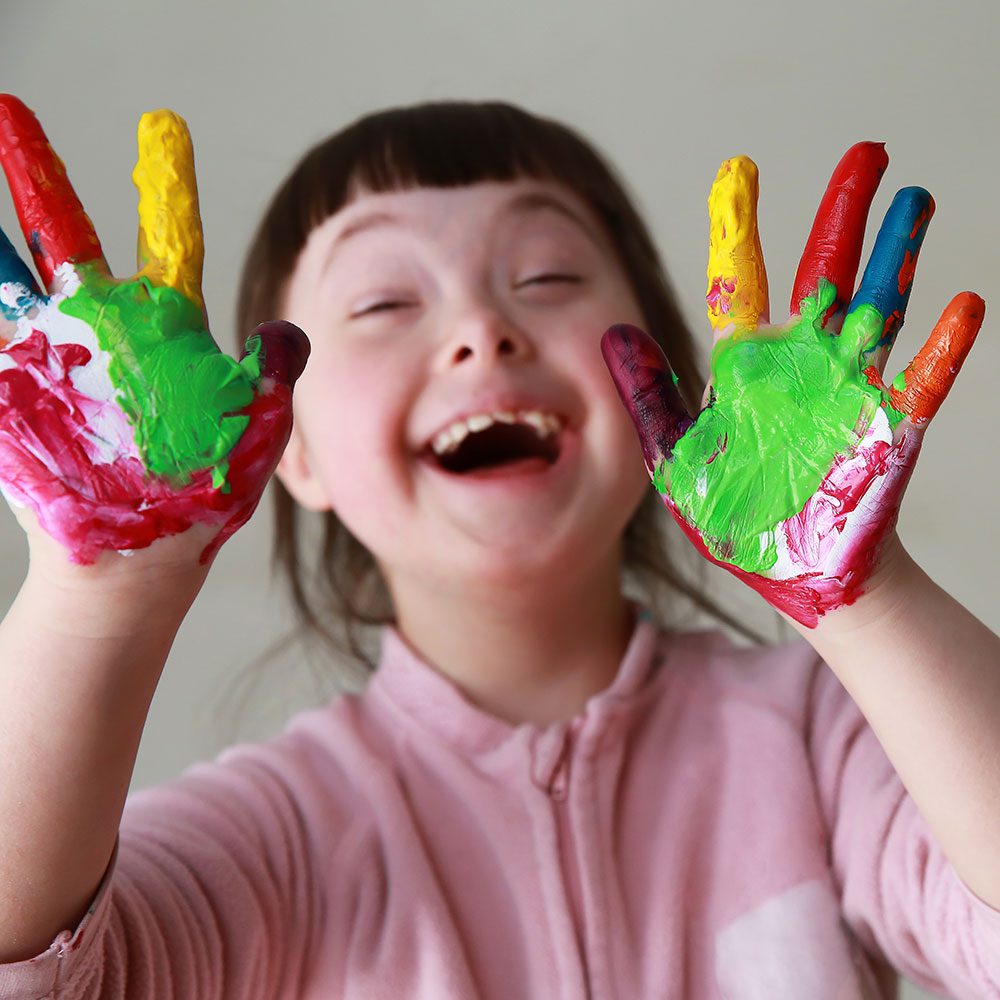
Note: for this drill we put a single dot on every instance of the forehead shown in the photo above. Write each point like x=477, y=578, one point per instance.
x=438, y=211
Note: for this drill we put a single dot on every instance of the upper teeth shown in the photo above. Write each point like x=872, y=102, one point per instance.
x=453, y=435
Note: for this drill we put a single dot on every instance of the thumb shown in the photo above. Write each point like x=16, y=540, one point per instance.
x=280, y=350
x=646, y=385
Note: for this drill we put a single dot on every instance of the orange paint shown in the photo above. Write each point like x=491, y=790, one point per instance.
x=929, y=376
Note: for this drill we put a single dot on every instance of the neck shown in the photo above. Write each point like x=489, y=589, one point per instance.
x=522, y=653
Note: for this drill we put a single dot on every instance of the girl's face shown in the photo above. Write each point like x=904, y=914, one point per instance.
x=426, y=306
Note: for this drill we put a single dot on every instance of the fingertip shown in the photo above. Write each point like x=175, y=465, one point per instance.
x=970, y=304
x=284, y=348
x=626, y=346
x=11, y=105
x=869, y=153
x=914, y=206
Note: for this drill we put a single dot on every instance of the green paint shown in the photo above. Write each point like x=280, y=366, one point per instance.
x=788, y=400
x=178, y=391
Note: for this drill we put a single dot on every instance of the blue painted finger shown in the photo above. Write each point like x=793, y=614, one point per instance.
x=879, y=305
x=18, y=290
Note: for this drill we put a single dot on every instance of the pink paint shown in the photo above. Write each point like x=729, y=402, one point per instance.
x=50, y=462
x=871, y=484
x=720, y=295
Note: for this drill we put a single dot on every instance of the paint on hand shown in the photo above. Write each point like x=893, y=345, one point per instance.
x=787, y=404
x=792, y=475
x=737, y=280
x=120, y=420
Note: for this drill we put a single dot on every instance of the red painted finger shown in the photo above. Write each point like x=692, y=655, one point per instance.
x=833, y=249
x=53, y=220
x=284, y=350
x=930, y=375
x=642, y=375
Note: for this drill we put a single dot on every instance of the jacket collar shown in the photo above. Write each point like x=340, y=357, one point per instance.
x=420, y=694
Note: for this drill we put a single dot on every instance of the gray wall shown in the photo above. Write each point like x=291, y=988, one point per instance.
x=667, y=89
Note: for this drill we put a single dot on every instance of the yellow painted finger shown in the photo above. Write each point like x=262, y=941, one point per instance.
x=737, y=280
x=171, y=247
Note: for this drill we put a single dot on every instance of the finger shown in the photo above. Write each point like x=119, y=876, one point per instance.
x=648, y=389
x=921, y=387
x=737, y=280
x=278, y=350
x=171, y=247
x=18, y=291
x=879, y=305
x=833, y=249
x=52, y=219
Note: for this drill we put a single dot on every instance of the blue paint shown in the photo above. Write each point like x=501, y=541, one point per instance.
x=895, y=251
x=18, y=291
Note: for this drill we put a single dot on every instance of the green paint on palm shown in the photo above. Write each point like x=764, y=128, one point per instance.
x=178, y=391
x=787, y=402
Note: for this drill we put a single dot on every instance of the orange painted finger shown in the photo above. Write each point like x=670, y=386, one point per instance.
x=52, y=219
x=920, y=389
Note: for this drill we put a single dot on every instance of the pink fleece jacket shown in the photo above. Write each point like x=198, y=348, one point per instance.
x=719, y=822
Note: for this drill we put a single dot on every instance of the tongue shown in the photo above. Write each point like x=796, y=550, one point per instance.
x=518, y=467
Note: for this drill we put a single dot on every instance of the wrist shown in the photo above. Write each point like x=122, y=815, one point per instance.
x=115, y=597
x=882, y=597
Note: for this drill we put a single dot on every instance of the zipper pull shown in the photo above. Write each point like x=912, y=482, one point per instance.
x=559, y=782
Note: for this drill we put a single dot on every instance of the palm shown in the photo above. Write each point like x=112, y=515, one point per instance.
x=792, y=473
x=121, y=421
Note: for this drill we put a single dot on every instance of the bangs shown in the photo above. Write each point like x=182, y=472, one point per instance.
x=438, y=145
x=455, y=144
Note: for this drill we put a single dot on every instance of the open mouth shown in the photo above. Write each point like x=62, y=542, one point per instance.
x=499, y=445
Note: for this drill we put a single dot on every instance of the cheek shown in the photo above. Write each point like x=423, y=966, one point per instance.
x=349, y=412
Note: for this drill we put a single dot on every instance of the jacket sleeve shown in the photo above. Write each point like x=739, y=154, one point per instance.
x=899, y=893
x=210, y=893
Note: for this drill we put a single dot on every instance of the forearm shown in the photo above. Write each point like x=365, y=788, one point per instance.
x=926, y=674
x=78, y=668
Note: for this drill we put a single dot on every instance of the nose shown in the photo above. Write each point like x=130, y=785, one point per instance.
x=481, y=332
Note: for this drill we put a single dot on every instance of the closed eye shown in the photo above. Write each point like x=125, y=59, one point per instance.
x=541, y=279
x=385, y=306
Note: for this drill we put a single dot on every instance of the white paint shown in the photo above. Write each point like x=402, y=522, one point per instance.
x=108, y=432
x=836, y=550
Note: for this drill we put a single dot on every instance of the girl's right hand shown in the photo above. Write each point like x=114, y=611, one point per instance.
x=121, y=421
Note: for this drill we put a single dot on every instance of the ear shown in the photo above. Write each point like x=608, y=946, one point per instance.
x=296, y=475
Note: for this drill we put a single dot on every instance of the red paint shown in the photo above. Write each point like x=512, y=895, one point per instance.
x=833, y=250
x=871, y=373
x=906, y=271
x=52, y=219
x=47, y=462
x=923, y=218
x=810, y=595
x=644, y=381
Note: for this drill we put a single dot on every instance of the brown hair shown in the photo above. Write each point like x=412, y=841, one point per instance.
x=448, y=144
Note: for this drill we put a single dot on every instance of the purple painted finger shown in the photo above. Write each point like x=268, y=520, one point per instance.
x=284, y=350
x=642, y=375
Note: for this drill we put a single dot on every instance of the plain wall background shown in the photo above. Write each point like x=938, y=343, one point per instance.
x=667, y=90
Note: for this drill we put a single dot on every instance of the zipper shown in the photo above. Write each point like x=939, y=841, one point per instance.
x=559, y=781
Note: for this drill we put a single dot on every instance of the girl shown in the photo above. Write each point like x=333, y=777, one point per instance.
x=541, y=792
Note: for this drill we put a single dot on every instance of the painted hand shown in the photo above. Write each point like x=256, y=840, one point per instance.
x=792, y=474
x=121, y=421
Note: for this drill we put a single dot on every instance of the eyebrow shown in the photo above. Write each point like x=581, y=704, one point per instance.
x=533, y=201
x=530, y=201
x=370, y=220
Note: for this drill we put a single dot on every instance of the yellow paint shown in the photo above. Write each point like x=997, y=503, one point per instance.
x=171, y=247
x=737, y=280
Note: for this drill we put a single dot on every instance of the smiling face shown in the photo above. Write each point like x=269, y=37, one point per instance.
x=427, y=305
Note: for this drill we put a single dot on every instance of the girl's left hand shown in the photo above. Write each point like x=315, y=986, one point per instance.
x=791, y=476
